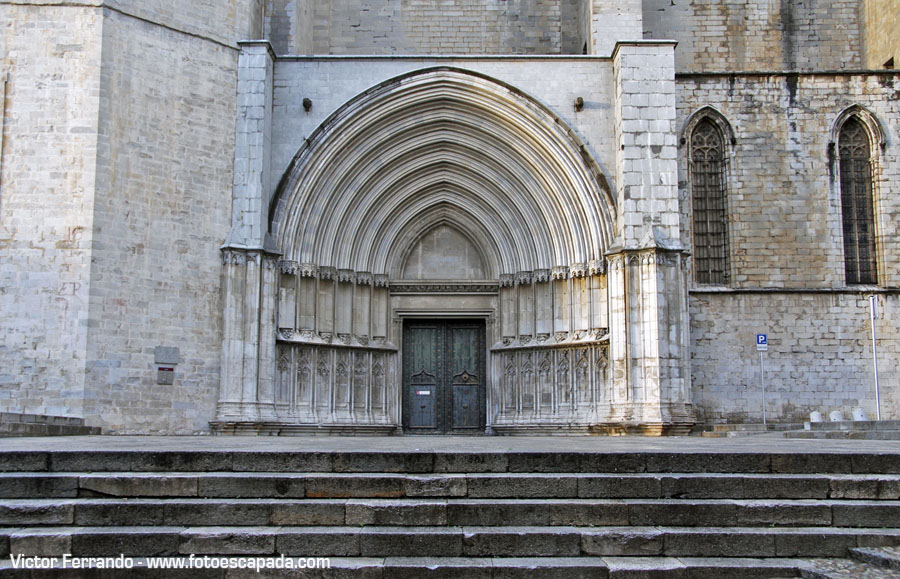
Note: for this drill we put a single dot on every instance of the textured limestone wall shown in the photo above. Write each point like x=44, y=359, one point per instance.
x=783, y=192
x=737, y=35
x=785, y=232
x=819, y=358
x=424, y=27
x=52, y=57
x=881, y=18
x=120, y=127
x=163, y=208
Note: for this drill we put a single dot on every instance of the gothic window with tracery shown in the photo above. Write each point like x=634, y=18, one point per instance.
x=709, y=204
x=857, y=207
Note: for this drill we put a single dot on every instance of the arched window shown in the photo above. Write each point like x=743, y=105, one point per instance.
x=708, y=187
x=857, y=206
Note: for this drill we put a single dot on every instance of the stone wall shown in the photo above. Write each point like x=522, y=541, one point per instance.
x=424, y=27
x=819, y=357
x=52, y=55
x=121, y=124
x=784, y=203
x=881, y=42
x=757, y=35
x=162, y=210
x=785, y=231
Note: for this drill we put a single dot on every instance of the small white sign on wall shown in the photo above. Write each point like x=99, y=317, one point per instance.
x=762, y=342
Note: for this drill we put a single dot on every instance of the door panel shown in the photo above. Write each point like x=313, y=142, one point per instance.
x=443, y=377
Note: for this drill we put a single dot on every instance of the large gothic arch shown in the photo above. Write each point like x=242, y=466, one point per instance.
x=481, y=150
x=315, y=318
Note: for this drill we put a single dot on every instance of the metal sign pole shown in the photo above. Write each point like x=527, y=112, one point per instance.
x=875, y=357
x=762, y=382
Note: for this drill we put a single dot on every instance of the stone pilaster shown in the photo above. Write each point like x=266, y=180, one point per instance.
x=248, y=349
x=648, y=317
x=253, y=134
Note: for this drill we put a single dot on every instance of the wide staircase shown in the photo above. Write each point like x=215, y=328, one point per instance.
x=460, y=514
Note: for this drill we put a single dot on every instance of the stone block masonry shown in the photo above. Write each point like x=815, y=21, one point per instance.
x=765, y=35
x=120, y=119
x=785, y=233
x=819, y=357
x=53, y=58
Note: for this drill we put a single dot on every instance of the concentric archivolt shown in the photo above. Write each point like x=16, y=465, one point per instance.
x=443, y=146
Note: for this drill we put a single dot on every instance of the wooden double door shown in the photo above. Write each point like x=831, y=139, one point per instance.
x=444, y=376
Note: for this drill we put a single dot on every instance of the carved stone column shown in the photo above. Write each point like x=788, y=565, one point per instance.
x=247, y=390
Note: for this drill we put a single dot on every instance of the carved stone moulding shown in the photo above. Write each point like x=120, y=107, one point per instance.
x=523, y=277
x=434, y=287
x=346, y=276
x=578, y=270
x=380, y=280
x=234, y=256
x=597, y=267
x=561, y=336
x=507, y=280
x=308, y=270
x=327, y=273
x=560, y=272
x=364, y=278
x=288, y=267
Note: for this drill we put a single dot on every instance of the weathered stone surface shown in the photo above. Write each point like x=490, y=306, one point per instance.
x=471, y=462
x=130, y=541
x=550, y=567
x=521, y=541
x=281, y=462
x=622, y=541
x=309, y=512
x=719, y=542
x=401, y=513
x=442, y=485
x=37, y=485
x=443, y=567
x=538, y=485
x=320, y=541
x=372, y=486
x=619, y=486
x=411, y=542
x=237, y=486
x=138, y=486
x=383, y=462
x=785, y=487
x=227, y=541
x=97, y=513
x=40, y=542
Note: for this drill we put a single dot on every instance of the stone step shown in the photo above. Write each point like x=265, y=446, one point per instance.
x=478, y=568
x=888, y=557
x=845, y=434
x=532, y=541
x=474, y=485
x=844, y=569
x=453, y=462
x=15, y=424
x=451, y=512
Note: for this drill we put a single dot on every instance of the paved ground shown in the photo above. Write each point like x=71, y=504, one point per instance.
x=772, y=442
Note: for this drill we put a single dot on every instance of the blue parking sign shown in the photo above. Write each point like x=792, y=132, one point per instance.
x=762, y=342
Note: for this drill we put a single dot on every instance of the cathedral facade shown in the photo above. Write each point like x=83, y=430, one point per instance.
x=466, y=217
